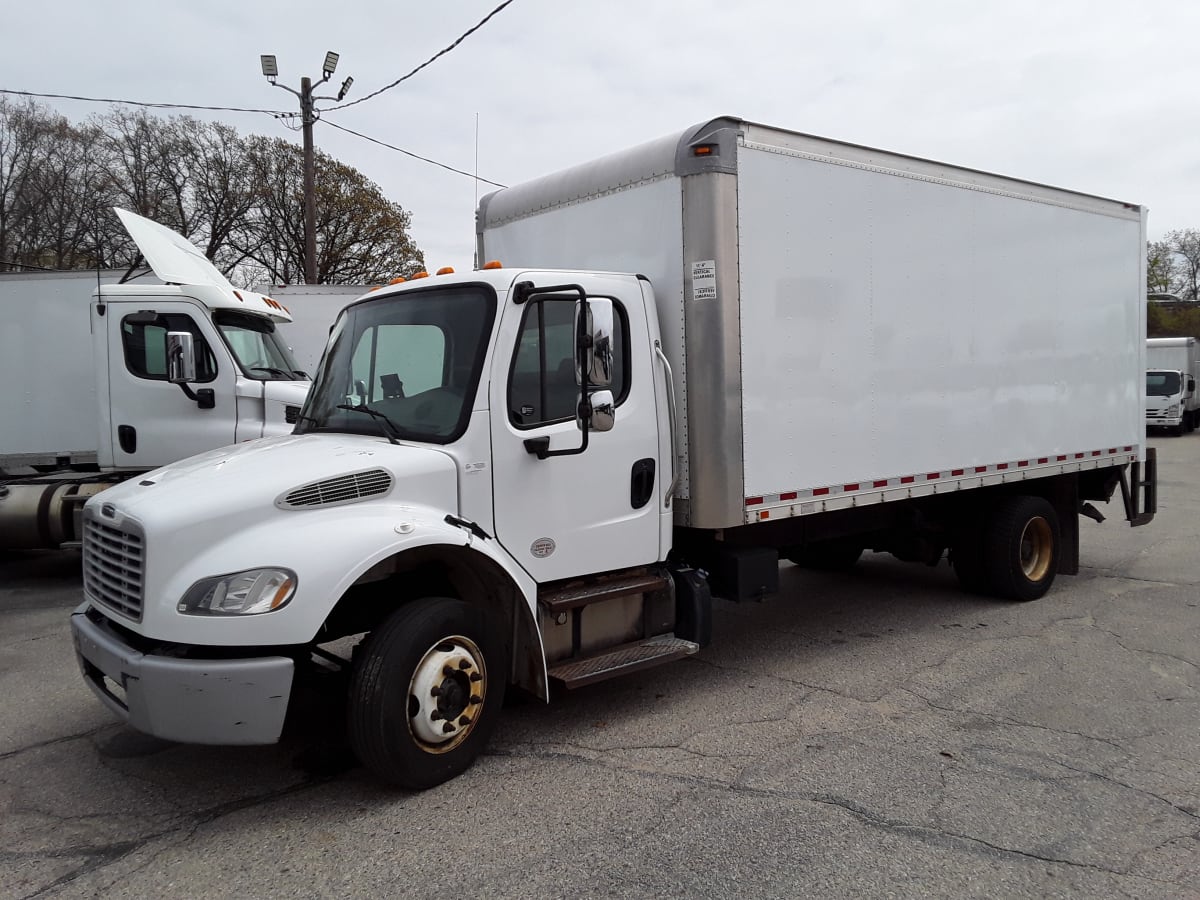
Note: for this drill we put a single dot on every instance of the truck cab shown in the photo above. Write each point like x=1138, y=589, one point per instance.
x=1168, y=395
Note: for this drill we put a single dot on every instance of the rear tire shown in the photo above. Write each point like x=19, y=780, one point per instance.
x=1021, y=548
x=426, y=691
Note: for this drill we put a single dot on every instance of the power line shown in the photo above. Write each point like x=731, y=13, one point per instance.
x=270, y=112
x=410, y=153
x=462, y=37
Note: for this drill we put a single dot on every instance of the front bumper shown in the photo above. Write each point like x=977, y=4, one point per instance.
x=1163, y=421
x=195, y=701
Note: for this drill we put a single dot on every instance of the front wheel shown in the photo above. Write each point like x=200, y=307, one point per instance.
x=426, y=691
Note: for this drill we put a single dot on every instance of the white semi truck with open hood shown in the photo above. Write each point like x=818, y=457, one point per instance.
x=88, y=400
x=700, y=355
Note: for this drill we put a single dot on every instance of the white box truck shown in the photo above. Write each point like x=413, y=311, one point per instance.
x=1172, y=367
x=694, y=356
x=87, y=402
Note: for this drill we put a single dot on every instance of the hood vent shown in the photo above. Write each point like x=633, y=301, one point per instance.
x=337, y=491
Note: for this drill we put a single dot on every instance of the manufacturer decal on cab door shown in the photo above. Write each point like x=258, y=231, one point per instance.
x=542, y=547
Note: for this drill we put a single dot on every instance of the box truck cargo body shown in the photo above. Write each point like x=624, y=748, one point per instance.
x=688, y=359
x=1172, y=367
x=88, y=400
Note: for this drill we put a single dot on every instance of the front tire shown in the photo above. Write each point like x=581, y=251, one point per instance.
x=427, y=689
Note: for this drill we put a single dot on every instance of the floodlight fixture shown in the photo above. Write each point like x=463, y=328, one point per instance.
x=345, y=88
x=331, y=61
x=269, y=67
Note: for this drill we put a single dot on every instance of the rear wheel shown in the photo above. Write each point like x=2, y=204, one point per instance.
x=1022, y=548
x=426, y=691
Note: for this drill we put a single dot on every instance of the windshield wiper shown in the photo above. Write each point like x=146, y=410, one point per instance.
x=389, y=427
x=271, y=369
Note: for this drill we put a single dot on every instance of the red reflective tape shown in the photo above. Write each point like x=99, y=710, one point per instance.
x=1002, y=466
x=907, y=479
x=765, y=514
x=850, y=487
x=1061, y=458
x=932, y=476
x=1043, y=459
x=753, y=501
x=1112, y=450
x=1095, y=453
x=1128, y=449
x=1023, y=462
x=956, y=472
x=820, y=492
x=790, y=495
x=881, y=483
x=981, y=468
x=1079, y=456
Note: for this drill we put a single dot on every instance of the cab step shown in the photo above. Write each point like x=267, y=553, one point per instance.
x=621, y=660
x=564, y=597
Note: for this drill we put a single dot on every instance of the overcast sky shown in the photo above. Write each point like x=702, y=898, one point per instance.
x=1093, y=95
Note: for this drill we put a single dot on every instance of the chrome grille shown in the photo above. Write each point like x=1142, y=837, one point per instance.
x=336, y=491
x=114, y=563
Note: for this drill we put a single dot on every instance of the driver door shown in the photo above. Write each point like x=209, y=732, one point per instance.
x=594, y=511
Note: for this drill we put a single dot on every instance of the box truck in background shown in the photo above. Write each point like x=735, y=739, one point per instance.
x=87, y=403
x=703, y=353
x=1172, y=367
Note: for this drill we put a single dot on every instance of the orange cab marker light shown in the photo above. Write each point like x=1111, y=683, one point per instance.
x=239, y=296
x=417, y=275
x=446, y=270
x=285, y=309
x=702, y=150
x=399, y=279
x=374, y=288
x=493, y=264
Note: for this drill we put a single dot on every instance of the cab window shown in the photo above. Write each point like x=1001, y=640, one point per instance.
x=542, y=386
x=145, y=346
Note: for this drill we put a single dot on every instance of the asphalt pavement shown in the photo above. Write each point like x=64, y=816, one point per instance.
x=873, y=734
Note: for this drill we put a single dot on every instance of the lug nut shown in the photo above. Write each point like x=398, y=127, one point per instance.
x=435, y=691
x=464, y=664
x=464, y=720
x=475, y=700
x=448, y=728
x=447, y=670
x=435, y=716
x=475, y=676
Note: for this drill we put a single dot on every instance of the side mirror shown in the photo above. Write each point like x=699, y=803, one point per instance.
x=1191, y=385
x=604, y=413
x=181, y=357
x=596, y=359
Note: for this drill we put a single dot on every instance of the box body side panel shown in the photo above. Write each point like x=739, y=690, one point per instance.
x=893, y=324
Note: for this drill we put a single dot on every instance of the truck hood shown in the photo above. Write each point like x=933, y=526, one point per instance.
x=235, y=486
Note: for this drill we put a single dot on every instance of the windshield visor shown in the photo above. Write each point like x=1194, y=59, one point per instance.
x=414, y=358
x=1162, y=384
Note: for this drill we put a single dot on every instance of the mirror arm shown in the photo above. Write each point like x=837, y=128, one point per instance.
x=205, y=398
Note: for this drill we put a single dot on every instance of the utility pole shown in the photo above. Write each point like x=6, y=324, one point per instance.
x=308, y=115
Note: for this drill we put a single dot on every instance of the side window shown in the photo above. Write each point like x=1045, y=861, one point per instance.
x=542, y=387
x=145, y=347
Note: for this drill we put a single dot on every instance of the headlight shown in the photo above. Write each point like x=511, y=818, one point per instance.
x=240, y=594
x=1173, y=410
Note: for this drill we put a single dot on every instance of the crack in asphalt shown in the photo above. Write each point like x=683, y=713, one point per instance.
x=942, y=837
x=49, y=742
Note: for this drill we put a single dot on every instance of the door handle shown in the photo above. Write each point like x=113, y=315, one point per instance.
x=641, y=482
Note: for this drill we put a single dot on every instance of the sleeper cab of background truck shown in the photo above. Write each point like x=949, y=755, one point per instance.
x=242, y=408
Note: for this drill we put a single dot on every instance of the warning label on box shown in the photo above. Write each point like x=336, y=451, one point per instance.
x=704, y=280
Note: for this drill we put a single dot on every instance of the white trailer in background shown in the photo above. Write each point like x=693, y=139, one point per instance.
x=731, y=344
x=86, y=400
x=1172, y=367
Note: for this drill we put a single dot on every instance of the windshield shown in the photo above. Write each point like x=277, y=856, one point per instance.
x=257, y=347
x=414, y=357
x=1162, y=384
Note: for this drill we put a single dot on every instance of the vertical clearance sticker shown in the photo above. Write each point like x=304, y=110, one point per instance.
x=704, y=280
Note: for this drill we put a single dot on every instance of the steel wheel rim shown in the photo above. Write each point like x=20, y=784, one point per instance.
x=1037, y=548
x=446, y=694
